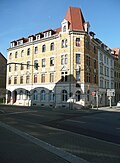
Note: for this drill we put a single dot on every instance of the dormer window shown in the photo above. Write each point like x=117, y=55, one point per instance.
x=12, y=44
x=45, y=34
x=30, y=39
x=19, y=42
x=64, y=25
x=37, y=37
x=49, y=33
x=64, y=28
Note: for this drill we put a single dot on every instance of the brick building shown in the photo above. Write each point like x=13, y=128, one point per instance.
x=3, y=67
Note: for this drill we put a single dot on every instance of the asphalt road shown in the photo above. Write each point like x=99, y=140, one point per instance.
x=91, y=135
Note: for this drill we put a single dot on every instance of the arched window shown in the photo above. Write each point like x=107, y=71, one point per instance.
x=27, y=94
x=36, y=50
x=22, y=53
x=21, y=95
x=64, y=95
x=43, y=95
x=78, y=93
x=52, y=46
x=51, y=95
x=28, y=51
x=35, y=95
x=10, y=56
x=16, y=54
x=43, y=48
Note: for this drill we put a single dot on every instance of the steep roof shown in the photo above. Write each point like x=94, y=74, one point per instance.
x=75, y=17
x=116, y=50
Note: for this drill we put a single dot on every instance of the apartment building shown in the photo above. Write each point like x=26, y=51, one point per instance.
x=3, y=68
x=105, y=72
x=116, y=55
x=55, y=67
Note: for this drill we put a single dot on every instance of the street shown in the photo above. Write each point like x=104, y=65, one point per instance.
x=91, y=135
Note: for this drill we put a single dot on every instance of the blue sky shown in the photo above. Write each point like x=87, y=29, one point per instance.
x=25, y=17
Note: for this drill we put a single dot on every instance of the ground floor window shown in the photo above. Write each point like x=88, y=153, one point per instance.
x=43, y=95
x=35, y=95
x=64, y=95
x=78, y=94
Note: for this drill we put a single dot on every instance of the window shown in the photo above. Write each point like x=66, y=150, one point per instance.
x=21, y=95
x=10, y=67
x=16, y=54
x=43, y=48
x=28, y=51
x=10, y=56
x=16, y=67
x=77, y=58
x=78, y=94
x=27, y=93
x=35, y=95
x=64, y=59
x=88, y=95
x=77, y=41
x=87, y=60
x=9, y=80
x=51, y=96
x=42, y=95
x=27, y=79
x=64, y=43
x=52, y=46
x=22, y=53
x=21, y=79
x=35, y=78
x=15, y=80
x=64, y=28
x=22, y=66
x=43, y=62
x=42, y=78
x=78, y=75
x=52, y=61
x=64, y=95
x=64, y=76
x=95, y=79
x=88, y=77
x=95, y=64
x=36, y=64
x=101, y=83
x=36, y=50
x=95, y=49
x=51, y=77
x=28, y=64
x=87, y=44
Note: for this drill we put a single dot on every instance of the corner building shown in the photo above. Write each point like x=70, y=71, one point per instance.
x=54, y=68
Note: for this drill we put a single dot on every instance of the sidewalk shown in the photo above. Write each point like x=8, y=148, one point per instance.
x=112, y=109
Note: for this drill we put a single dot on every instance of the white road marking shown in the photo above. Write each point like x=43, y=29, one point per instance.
x=69, y=120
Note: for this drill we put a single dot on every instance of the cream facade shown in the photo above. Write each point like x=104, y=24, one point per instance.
x=56, y=68
x=105, y=73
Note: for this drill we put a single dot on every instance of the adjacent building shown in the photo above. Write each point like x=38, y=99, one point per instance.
x=3, y=67
x=55, y=67
x=105, y=73
x=116, y=55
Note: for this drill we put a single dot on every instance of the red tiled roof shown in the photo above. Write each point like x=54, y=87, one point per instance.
x=57, y=30
x=75, y=18
x=116, y=51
